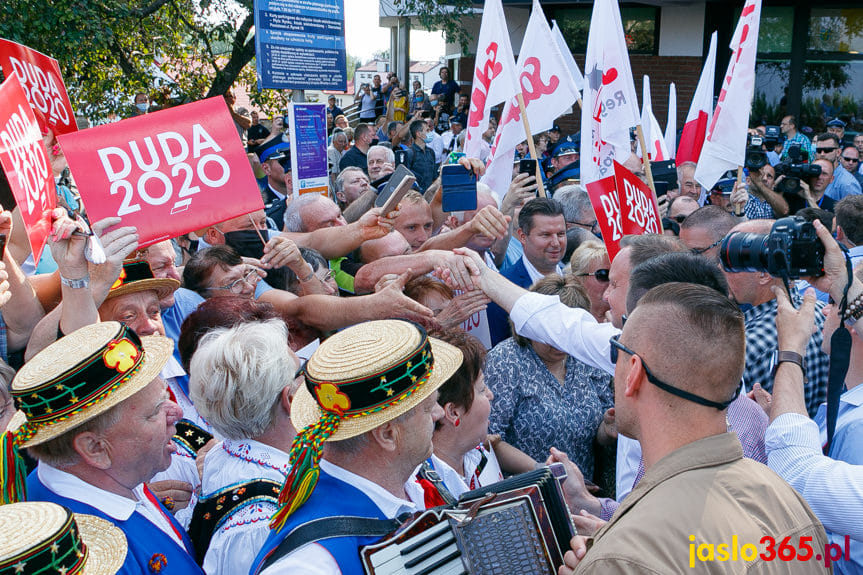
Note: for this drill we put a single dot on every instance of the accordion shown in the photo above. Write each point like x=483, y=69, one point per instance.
x=519, y=525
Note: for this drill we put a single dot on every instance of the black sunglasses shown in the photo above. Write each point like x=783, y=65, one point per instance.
x=682, y=393
x=825, y=150
x=851, y=159
x=601, y=275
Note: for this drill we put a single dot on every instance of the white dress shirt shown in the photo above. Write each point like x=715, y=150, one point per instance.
x=113, y=505
x=237, y=541
x=535, y=274
x=314, y=559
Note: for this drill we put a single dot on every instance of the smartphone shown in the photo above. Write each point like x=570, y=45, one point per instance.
x=661, y=188
x=459, y=188
x=395, y=179
x=401, y=157
x=2, y=246
x=527, y=166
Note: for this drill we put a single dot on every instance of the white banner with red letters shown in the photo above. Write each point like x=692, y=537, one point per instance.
x=165, y=173
x=25, y=161
x=43, y=86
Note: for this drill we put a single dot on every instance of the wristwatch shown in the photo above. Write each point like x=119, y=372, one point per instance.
x=76, y=284
x=790, y=357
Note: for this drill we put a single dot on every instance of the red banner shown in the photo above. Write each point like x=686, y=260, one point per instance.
x=606, y=206
x=23, y=156
x=639, y=212
x=43, y=85
x=165, y=173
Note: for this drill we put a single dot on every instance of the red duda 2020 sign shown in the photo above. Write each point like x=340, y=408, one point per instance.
x=165, y=173
x=42, y=83
x=23, y=156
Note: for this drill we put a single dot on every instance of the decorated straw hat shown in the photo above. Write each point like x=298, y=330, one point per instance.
x=72, y=381
x=357, y=380
x=42, y=537
x=136, y=276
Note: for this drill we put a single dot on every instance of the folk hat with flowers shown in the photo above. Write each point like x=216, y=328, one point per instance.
x=136, y=276
x=69, y=383
x=357, y=380
x=41, y=537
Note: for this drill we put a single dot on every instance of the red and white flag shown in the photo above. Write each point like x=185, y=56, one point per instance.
x=653, y=137
x=610, y=101
x=671, y=126
x=494, y=75
x=548, y=90
x=725, y=145
x=700, y=112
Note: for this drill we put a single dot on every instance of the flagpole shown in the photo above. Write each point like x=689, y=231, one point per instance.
x=580, y=105
x=738, y=209
x=530, y=145
x=645, y=159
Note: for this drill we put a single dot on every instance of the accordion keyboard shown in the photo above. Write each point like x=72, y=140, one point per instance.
x=432, y=552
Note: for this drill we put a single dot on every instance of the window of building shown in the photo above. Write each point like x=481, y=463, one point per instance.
x=640, y=27
x=836, y=30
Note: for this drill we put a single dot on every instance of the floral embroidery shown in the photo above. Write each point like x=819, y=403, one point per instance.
x=121, y=355
x=120, y=280
x=331, y=399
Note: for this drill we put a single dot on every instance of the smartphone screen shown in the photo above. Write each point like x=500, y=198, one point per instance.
x=401, y=157
x=527, y=166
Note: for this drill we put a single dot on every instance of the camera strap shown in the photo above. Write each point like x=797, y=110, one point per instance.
x=840, y=357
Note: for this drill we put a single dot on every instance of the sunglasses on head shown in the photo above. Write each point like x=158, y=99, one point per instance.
x=601, y=275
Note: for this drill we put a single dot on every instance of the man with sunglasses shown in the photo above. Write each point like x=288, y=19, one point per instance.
x=696, y=478
x=843, y=183
x=849, y=160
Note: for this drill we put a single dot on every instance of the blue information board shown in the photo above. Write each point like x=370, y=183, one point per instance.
x=300, y=44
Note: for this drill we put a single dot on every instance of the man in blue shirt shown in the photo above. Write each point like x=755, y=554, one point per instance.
x=844, y=184
x=793, y=137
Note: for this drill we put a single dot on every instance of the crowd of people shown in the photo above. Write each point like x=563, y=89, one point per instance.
x=213, y=401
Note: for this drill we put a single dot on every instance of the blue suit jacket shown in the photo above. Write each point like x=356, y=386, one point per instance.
x=498, y=319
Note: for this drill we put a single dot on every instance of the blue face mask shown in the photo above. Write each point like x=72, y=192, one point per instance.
x=418, y=99
x=434, y=102
x=429, y=137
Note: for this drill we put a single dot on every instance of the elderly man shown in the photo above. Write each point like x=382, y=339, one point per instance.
x=381, y=162
x=336, y=151
x=238, y=372
x=351, y=184
x=696, y=476
x=577, y=209
x=101, y=433
x=312, y=212
x=687, y=185
x=364, y=459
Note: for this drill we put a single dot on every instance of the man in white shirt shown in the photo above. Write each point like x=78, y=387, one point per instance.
x=369, y=406
x=100, y=420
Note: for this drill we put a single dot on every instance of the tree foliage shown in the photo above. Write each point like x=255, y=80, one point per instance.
x=175, y=50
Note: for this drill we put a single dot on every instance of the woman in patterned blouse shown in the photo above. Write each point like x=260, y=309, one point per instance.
x=544, y=398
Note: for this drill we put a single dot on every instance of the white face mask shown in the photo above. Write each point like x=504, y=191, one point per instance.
x=142, y=107
x=429, y=137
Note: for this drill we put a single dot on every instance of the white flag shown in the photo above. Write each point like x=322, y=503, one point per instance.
x=610, y=104
x=725, y=146
x=494, y=75
x=567, y=56
x=653, y=138
x=671, y=126
x=548, y=91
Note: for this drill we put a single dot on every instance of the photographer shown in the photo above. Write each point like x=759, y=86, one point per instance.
x=832, y=484
x=761, y=200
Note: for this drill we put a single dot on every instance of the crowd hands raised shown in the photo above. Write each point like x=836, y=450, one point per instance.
x=236, y=362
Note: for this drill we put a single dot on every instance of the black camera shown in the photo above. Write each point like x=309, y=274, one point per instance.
x=794, y=169
x=756, y=158
x=791, y=249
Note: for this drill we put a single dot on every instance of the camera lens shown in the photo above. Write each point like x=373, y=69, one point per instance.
x=743, y=252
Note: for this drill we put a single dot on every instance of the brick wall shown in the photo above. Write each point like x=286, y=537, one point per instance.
x=682, y=70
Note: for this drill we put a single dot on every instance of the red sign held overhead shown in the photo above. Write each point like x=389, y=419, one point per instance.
x=43, y=86
x=639, y=212
x=165, y=173
x=23, y=157
x=606, y=206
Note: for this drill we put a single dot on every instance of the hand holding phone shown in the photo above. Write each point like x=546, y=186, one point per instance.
x=459, y=188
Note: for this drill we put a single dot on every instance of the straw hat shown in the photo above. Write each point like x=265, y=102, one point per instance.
x=43, y=537
x=357, y=360
x=82, y=375
x=137, y=276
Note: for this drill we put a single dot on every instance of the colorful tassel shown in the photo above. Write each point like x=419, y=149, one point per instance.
x=13, y=472
x=305, y=454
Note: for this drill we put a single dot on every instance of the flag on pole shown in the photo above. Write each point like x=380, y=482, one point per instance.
x=671, y=126
x=495, y=76
x=567, y=56
x=653, y=138
x=725, y=145
x=548, y=90
x=609, y=110
x=700, y=111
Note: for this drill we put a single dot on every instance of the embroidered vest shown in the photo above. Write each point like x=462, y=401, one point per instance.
x=331, y=497
x=151, y=550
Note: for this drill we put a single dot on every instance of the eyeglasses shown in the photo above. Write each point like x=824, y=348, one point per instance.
x=236, y=287
x=301, y=369
x=699, y=251
x=326, y=276
x=601, y=275
x=592, y=226
x=825, y=150
x=855, y=160
x=682, y=393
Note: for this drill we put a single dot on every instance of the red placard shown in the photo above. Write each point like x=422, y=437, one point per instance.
x=606, y=206
x=26, y=164
x=165, y=173
x=43, y=85
x=639, y=212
